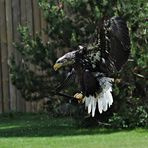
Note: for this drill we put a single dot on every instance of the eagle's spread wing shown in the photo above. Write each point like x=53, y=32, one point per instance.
x=115, y=41
x=112, y=48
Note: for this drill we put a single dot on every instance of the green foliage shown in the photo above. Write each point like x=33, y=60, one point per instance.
x=137, y=13
x=72, y=23
x=135, y=117
x=117, y=121
x=34, y=59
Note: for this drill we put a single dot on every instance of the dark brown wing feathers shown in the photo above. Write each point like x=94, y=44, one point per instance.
x=119, y=41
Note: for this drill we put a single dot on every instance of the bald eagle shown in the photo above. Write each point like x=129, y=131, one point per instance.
x=96, y=63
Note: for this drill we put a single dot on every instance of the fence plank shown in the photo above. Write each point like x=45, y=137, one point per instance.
x=12, y=89
x=1, y=96
x=23, y=12
x=36, y=17
x=4, y=57
x=1, y=99
x=36, y=30
x=30, y=25
x=16, y=23
x=43, y=27
x=23, y=23
x=29, y=15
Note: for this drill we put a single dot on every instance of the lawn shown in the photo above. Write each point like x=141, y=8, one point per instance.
x=40, y=131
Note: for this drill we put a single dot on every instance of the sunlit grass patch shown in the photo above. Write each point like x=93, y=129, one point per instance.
x=42, y=131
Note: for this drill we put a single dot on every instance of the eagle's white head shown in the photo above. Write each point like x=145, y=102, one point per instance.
x=67, y=59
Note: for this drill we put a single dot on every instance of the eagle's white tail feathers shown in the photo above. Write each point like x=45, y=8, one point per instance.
x=90, y=103
x=93, y=106
x=104, y=99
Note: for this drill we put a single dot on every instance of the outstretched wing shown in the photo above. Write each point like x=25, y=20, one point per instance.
x=114, y=38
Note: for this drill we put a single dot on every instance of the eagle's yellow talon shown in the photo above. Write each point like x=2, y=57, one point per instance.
x=78, y=96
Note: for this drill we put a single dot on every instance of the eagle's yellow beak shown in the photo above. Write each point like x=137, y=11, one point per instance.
x=57, y=66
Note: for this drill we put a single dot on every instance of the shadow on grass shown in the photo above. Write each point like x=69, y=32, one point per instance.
x=43, y=126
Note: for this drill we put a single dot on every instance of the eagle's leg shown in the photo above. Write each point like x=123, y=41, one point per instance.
x=79, y=97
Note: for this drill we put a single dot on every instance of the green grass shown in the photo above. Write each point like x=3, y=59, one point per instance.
x=40, y=131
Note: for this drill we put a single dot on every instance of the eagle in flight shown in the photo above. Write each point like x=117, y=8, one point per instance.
x=95, y=64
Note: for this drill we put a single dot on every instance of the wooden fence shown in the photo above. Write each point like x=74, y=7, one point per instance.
x=12, y=14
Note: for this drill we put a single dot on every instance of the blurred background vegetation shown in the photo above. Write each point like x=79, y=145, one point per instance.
x=72, y=23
